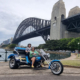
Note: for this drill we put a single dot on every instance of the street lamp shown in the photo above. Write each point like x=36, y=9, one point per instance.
x=70, y=47
x=78, y=49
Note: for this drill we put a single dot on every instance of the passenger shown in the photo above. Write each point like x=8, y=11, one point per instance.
x=28, y=49
x=33, y=55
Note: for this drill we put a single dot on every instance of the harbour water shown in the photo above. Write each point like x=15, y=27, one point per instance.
x=4, y=57
x=3, y=54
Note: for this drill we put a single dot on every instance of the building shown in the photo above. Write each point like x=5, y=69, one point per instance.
x=6, y=42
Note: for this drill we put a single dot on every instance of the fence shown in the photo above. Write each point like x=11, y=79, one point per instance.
x=4, y=55
x=53, y=55
x=58, y=55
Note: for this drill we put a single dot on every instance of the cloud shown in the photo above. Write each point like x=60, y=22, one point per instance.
x=9, y=21
x=33, y=41
x=8, y=25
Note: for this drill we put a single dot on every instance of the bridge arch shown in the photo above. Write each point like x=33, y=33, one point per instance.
x=40, y=27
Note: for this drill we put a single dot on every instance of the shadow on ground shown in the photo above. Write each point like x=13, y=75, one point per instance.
x=27, y=67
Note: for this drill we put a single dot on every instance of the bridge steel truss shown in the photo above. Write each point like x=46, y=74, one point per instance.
x=72, y=23
x=41, y=28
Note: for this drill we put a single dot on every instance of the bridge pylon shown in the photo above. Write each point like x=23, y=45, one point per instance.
x=57, y=28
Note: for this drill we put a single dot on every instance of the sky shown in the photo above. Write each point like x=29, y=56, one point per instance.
x=13, y=12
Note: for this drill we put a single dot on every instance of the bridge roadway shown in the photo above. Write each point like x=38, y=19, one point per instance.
x=32, y=34
x=26, y=73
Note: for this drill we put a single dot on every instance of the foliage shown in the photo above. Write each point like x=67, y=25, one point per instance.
x=41, y=46
x=74, y=43
x=12, y=45
x=4, y=46
x=62, y=44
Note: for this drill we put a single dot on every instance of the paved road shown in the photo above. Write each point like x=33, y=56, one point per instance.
x=42, y=77
x=26, y=73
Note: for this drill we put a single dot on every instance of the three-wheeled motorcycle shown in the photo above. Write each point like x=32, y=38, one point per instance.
x=19, y=57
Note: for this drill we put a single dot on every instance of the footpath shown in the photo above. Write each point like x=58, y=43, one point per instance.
x=27, y=71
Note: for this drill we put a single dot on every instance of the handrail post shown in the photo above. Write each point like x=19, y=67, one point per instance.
x=6, y=55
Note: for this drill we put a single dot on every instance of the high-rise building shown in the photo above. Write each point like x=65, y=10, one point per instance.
x=6, y=42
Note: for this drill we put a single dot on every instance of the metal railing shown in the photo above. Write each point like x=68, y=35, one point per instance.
x=58, y=55
x=53, y=55
x=4, y=55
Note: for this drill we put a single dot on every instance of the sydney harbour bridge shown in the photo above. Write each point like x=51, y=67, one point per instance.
x=57, y=28
x=32, y=27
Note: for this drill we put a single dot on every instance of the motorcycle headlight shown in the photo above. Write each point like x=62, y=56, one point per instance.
x=17, y=58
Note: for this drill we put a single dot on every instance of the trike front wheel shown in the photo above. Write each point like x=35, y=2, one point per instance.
x=56, y=68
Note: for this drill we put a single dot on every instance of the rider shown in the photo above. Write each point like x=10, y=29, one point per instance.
x=33, y=54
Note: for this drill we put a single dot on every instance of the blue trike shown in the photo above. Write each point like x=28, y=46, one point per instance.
x=19, y=57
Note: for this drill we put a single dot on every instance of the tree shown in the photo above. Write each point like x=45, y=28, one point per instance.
x=64, y=43
x=12, y=45
x=56, y=44
x=74, y=43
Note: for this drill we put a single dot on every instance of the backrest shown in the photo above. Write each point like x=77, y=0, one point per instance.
x=22, y=53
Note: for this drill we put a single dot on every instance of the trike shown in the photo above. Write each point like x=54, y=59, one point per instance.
x=19, y=57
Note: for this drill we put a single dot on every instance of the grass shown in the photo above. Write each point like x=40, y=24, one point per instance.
x=78, y=57
x=75, y=62
x=71, y=62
